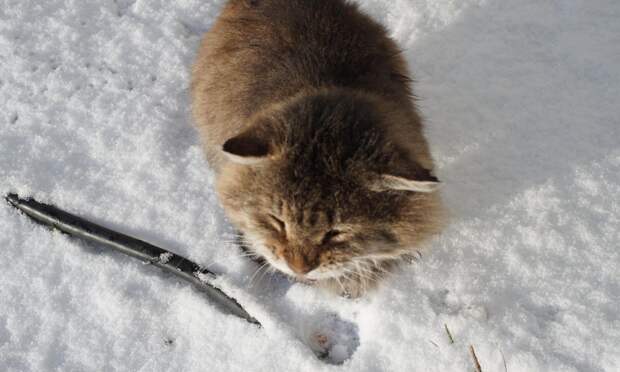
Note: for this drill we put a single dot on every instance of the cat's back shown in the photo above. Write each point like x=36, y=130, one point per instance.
x=261, y=52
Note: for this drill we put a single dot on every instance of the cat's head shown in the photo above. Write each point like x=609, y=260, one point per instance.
x=321, y=189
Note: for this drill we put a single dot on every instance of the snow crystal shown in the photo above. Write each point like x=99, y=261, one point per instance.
x=164, y=258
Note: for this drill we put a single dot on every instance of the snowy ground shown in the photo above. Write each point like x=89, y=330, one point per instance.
x=522, y=104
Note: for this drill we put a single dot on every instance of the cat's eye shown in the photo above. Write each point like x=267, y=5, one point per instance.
x=330, y=236
x=277, y=223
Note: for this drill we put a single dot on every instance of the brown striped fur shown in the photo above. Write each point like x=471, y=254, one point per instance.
x=306, y=113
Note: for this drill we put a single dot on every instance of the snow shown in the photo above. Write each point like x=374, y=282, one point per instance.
x=521, y=102
x=164, y=258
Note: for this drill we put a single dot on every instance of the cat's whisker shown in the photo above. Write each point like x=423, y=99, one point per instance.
x=256, y=272
x=265, y=272
x=350, y=274
x=368, y=274
x=359, y=272
x=260, y=276
x=369, y=278
x=340, y=284
x=345, y=274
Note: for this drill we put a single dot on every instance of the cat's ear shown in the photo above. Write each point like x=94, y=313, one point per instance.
x=247, y=149
x=421, y=181
x=255, y=145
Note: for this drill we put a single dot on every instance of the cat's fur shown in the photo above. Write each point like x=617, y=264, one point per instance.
x=306, y=113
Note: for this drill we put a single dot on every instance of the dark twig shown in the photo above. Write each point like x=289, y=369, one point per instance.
x=180, y=266
x=449, y=334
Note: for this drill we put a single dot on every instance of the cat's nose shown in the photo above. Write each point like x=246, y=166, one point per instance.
x=301, y=264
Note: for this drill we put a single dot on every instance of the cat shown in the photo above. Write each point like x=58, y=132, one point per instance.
x=306, y=113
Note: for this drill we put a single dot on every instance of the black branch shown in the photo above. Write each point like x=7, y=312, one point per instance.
x=180, y=266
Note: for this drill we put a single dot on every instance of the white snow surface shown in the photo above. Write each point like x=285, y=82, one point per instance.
x=522, y=106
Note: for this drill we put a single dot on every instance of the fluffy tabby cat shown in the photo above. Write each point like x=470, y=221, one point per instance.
x=306, y=113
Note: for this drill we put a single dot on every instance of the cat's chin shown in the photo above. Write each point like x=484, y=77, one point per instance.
x=342, y=286
x=318, y=275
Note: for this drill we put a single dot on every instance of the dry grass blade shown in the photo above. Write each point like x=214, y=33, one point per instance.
x=449, y=334
x=475, y=357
